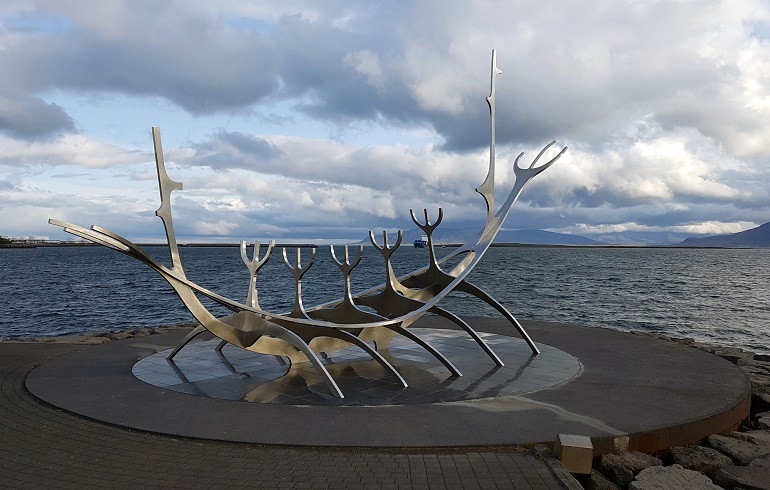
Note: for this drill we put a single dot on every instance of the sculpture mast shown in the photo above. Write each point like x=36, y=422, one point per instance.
x=487, y=189
x=166, y=186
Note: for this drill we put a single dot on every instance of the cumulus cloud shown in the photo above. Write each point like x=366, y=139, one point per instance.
x=71, y=149
x=665, y=107
x=28, y=117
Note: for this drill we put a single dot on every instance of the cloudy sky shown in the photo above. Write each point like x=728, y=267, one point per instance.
x=322, y=120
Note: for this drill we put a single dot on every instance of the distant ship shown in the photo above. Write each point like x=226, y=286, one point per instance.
x=421, y=242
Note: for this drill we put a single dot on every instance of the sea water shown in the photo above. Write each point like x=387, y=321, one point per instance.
x=713, y=295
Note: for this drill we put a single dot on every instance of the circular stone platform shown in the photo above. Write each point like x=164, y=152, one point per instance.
x=633, y=391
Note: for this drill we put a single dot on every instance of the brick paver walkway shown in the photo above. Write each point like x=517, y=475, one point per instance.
x=42, y=446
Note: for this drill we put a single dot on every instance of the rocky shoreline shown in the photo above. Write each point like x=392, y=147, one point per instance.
x=96, y=338
x=738, y=460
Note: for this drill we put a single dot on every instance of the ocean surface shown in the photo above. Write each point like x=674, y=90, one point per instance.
x=713, y=295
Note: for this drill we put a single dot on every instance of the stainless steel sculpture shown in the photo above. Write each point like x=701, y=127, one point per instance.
x=304, y=332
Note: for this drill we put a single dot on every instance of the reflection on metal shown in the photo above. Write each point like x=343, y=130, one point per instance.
x=303, y=333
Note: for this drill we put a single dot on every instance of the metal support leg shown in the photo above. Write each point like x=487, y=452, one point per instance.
x=469, y=288
x=425, y=345
x=196, y=331
x=296, y=341
x=464, y=325
x=347, y=336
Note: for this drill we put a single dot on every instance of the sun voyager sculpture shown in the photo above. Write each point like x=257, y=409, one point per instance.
x=368, y=319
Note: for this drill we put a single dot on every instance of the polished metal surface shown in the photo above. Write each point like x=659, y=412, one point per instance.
x=304, y=333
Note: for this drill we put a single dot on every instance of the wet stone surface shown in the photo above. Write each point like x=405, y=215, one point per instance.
x=237, y=374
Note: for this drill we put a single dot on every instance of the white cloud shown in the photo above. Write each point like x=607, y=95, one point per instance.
x=367, y=64
x=665, y=107
x=220, y=228
x=70, y=149
x=714, y=228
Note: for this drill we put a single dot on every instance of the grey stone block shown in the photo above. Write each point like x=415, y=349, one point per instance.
x=741, y=452
x=757, y=371
x=761, y=437
x=622, y=467
x=701, y=459
x=597, y=481
x=671, y=477
x=762, y=421
x=755, y=476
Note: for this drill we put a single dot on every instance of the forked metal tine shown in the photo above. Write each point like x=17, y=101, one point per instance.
x=297, y=270
x=386, y=250
x=427, y=227
x=537, y=158
x=256, y=263
x=536, y=170
x=384, y=240
x=346, y=266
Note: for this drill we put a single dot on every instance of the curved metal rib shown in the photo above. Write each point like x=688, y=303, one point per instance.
x=469, y=288
x=349, y=337
x=194, y=333
x=425, y=345
x=295, y=340
x=464, y=325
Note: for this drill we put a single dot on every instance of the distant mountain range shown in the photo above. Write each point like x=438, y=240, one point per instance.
x=758, y=237
x=755, y=238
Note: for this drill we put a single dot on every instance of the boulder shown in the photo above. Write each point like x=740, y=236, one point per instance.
x=597, y=481
x=736, y=356
x=622, y=467
x=761, y=437
x=118, y=335
x=618, y=474
x=755, y=476
x=95, y=340
x=762, y=421
x=702, y=459
x=671, y=477
x=757, y=371
x=741, y=452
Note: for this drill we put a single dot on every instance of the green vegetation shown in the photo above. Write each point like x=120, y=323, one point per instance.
x=4, y=241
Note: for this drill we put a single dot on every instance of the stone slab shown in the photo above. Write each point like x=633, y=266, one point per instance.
x=755, y=476
x=761, y=437
x=701, y=459
x=621, y=468
x=741, y=452
x=671, y=477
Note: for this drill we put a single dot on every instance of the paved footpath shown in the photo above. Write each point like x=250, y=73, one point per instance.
x=42, y=446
